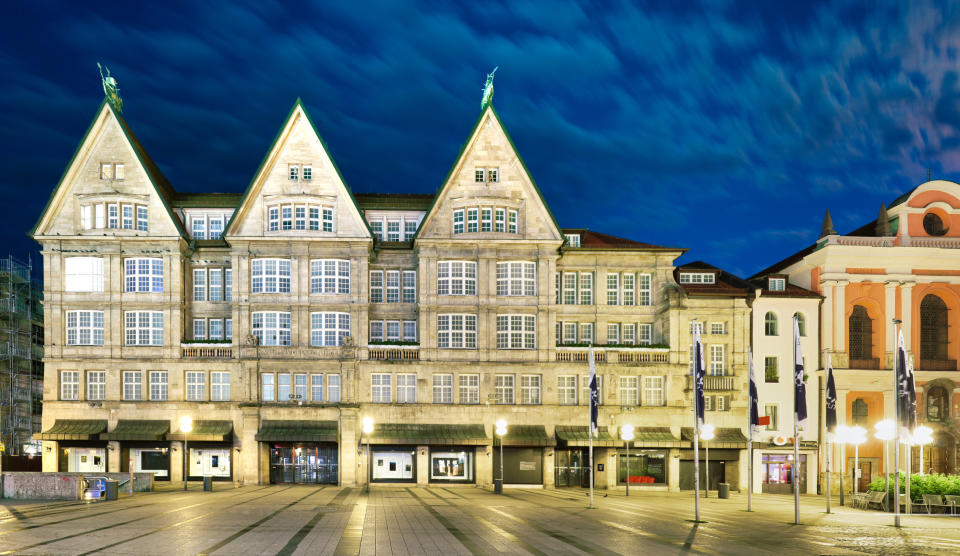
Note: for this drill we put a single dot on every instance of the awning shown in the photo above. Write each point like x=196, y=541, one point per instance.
x=657, y=437
x=297, y=431
x=426, y=435
x=723, y=437
x=74, y=429
x=527, y=435
x=579, y=436
x=129, y=429
x=206, y=431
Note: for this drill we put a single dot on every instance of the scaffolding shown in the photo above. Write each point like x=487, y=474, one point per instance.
x=21, y=354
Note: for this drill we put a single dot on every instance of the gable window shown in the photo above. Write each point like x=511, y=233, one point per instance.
x=113, y=216
x=69, y=385
x=329, y=329
x=83, y=274
x=106, y=170
x=861, y=334
x=770, y=324
x=84, y=328
x=142, y=224
x=272, y=328
x=300, y=217
x=513, y=222
x=472, y=219
x=500, y=220
x=456, y=278
x=493, y=175
x=458, y=221
x=777, y=284
x=143, y=275
x=517, y=278
x=330, y=276
x=127, y=213
x=294, y=172
x=697, y=278
x=516, y=331
x=457, y=331
x=393, y=230
x=934, y=339
x=307, y=172
x=144, y=328
x=270, y=276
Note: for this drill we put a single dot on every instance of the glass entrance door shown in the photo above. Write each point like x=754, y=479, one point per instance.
x=571, y=468
x=303, y=463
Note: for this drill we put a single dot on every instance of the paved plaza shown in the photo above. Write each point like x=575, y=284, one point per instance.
x=455, y=520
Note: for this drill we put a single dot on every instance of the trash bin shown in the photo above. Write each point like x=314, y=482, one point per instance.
x=207, y=483
x=724, y=490
x=111, y=489
x=498, y=486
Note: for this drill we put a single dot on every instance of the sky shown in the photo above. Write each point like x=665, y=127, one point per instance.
x=723, y=127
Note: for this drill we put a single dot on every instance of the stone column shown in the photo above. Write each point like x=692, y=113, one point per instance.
x=890, y=311
x=113, y=456
x=548, y=475
x=176, y=462
x=906, y=306
x=423, y=465
x=51, y=453
x=350, y=470
x=483, y=460
x=673, y=471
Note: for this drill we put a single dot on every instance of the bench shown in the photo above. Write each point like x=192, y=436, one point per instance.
x=860, y=500
x=935, y=501
x=878, y=498
x=954, y=502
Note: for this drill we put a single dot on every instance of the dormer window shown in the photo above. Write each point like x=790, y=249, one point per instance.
x=698, y=278
x=573, y=240
x=111, y=171
x=777, y=284
x=207, y=226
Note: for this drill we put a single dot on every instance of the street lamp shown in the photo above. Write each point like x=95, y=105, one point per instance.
x=626, y=433
x=706, y=433
x=886, y=431
x=367, y=430
x=856, y=435
x=922, y=435
x=186, y=425
x=842, y=434
x=501, y=432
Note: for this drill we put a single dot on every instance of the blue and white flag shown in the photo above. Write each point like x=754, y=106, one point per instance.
x=754, y=398
x=699, y=372
x=800, y=387
x=594, y=395
x=908, y=393
x=831, y=417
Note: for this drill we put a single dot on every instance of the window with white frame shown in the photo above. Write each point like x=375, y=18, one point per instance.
x=144, y=328
x=409, y=286
x=100, y=216
x=516, y=278
x=393, y=229
x=586, y=332
x=393, y=286
x=207, y=226
x=271, y=328
x=777, y=284
x=228, y=284
x=376, y=286
x=586, y=288
x=159, y=386
x=393, y=331
x=456, y=331
x=333, y=388
x=717, y=359
x=307, y=172
x=293, y=172
x=96, y=385
x=83, y=274
x=132, y=385
x=329, y=329
x=126, y=212
x=512, y=227
x=199, y=284
x=456, y=278
x=409, y=229
x=708, y=403
x=644, y=289
x=772, y=410
x=299, y=387
x=409, y=331
x=458, y=221
x=569, y=332
x=722, y=403
x=613, y=289
x=442, y=388
x=84, y=328
x=199, y=329
x=69, y=385
x=530, y=389
x=629, y=391
x=500, y=220
x=215, y=327
x=653, y=391
x=613, y=333
x=629, y=333
x=283, y=387
x=111, y=171
x=316, y=388
x=567, y=390
x=585, y=389
x=270, y=276
x=406, y=388
x=300, y=216
x=645, y=334
x=199, y=227
x=227, y=329
x=479, y=175
x=113, y=215
x=628, y=293
x=143, y=275
x=504, y=389
x=216, y=284
x=516, y=331
x=484, y=219
x=469, y=389
x=381, y=387
x=718, y=328
x=473, y=219
x=267, y=388
x=697, y=278
x=196, y=386
x=330, y=276
x=573, y=240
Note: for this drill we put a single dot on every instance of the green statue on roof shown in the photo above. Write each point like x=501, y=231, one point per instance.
x=110, y=89
x=488, y=90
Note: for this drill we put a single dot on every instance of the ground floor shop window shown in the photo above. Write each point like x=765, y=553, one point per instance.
x=521, y=466
x=307, y=462
x=210, y=462
x=397, y=465
x=83, y=459
x=778, y=471
x=451, y=465
x=152, y=459
x=645, y=467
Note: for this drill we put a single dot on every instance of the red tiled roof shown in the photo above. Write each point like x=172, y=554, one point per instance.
x=726, y=283
x=595, y=240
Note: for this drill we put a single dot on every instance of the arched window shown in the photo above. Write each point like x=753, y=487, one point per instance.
x=801, y=323
x=859, y=412
x=861, y=334
x=937, y=407
x=770, y=324
x=933, y=329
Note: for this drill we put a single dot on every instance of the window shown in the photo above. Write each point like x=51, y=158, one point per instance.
x=934, y=338
x=933, y=224
x=143, y=275
x=718, y=328
x=316, y=388
x=513, y=222
x=586, y=288
x=196, y=386
x=299, y=387
x=479, y=175
x=106, y=170
x=142, y=221
x=330, y=276
x=329, y=329
x=586, y=332
x=530, y=389
x=516, y=332
x=216, y=227
x=469, y=389
x=199, y=227
x=518, y=278
x=294, y=172
x=409, y=331
x=629, y=391
x=772, y=410
x=393, y=230
x=409, y=229
x=271, y=276
x=83, y=274
x=722, y=403
x=493, y=175
x=228, y=284
x=381, y=387
x=629, y=334
x=697, y=278
x=86, y=217
x=199, y=329
x=569, y=332
x=283, y=387
x=409, y=286
x=486, y=219
x=144, y=328
x=272, y=328
x=299, y=217
x=406, y=388
x=393, y=286
x=127, y=213
x=503, y=389
x=158, y=386
x=859, y=411
x=216, y=284
x=113, y=216
x=645, y=337
x=458, y=221
x=585, y=385
x=376, y=331
x=567, y=390
x=771, y=371
x=569, y=288
x=227, y=329
x=199, y=284
x=376, y=286
x=708, y=403
x=96, y=385
x=472, y=219
x=653, y=391
x=500, y=220
x=267, y=388
x=307, y=172
x=613, y=333
x=801, y=323
x=132, y=382
x=457, y=331
x=716, y=359
x=938, y=404
x=456, y=278
x=770, y=324
x=219, y=386
x=613, y=289
x=777, y=284
x=442, y=388
x=333, y=388
x=573, y=240
x=273, y=218
x=629, y=293
x=644, y=294
x=861, y=334
x=69, y=385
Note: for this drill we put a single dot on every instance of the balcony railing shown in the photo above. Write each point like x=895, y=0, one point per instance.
x=620, y=355
x=939, y=242
x=394, y=353
x=871, y=364
x=712, y=383
x=206, y=351
x=581, y=356
x=296, y=352
x=861, y=241
x=937, y=365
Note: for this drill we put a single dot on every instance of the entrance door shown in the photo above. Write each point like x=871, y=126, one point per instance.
x=718, y=472
x=865, y=476
x=521, y=466
x=306, y=463
x=572, y=468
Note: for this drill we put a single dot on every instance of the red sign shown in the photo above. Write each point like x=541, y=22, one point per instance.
x=765, y=420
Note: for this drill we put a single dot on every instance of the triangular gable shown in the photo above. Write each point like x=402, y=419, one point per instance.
x=98, y=126
x=490, y=115
x=298, y=113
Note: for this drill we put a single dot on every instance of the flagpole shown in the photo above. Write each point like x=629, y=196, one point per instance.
x=827, y=436
x=750, y=435
x=796, y=428
x=896, y=439
x=696, y=422
x=593, y=378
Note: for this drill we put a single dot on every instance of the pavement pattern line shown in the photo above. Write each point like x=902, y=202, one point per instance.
x=301, y=534
x=467, y=542
x=581, y=544
x=351, y=538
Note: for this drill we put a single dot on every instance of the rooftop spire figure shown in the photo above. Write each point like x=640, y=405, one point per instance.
x=110, y=88
x=488, y=90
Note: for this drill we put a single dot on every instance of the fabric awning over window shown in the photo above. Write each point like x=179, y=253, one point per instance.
x=74, y=429
x=723, y=438
x=426, y=435
x=297, y=431
x=206, y=431
x=579, y=436
x=657, y=437
x=129, y=429
x=527, y=435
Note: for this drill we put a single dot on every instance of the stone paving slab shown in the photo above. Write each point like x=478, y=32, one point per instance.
x=456, y=520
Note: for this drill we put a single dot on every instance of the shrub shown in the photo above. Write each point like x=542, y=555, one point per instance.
x=933, y=483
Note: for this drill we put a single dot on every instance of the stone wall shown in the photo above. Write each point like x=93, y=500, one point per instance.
x=62, y=486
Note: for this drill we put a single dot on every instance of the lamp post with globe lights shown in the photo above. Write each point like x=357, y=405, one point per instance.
x=857, y=436
x=885, y=431
x=707, y=434
x=186, y=425
x=922, y=436
x=501, y=431
x=626, y=433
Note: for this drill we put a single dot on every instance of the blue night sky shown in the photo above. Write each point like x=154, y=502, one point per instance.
x=726, y=128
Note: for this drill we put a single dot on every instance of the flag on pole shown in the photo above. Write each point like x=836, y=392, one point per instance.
x=594, y=395
x=831, y=399
x=800, y=387
x=698, y=372
x=754, y=401
x=908, y=393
